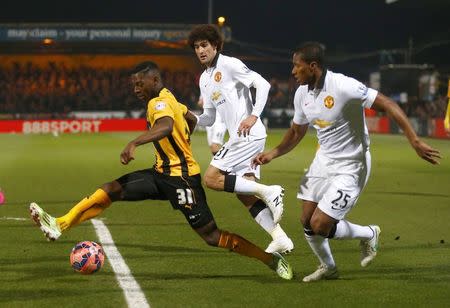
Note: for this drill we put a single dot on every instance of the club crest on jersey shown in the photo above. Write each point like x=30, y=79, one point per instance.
x=160, y=106
x=329, y=102
x=218, y=76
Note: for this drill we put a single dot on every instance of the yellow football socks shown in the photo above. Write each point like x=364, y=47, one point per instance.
x=91, y=212
x=85, y=209
x=243, y=247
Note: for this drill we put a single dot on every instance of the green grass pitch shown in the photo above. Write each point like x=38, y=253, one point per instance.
x=407, y=197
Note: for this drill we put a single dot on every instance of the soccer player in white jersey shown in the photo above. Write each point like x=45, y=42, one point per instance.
x=333, y=104
x=215, y=134
x=225, y=87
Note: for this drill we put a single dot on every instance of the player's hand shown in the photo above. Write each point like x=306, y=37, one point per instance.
x=261, y=159
x=426, y=152
x=246, y=125
x=127, y=154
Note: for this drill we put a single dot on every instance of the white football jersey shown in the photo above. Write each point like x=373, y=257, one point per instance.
x=336, y=110
x=225, y=87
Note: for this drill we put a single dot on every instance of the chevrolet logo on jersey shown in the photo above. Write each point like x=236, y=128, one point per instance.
x=215, y=96
x=322, y=123
x=329, y=102
x=218, y=76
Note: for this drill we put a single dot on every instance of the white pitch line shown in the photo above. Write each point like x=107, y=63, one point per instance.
x=13, y=218
x=131, y=289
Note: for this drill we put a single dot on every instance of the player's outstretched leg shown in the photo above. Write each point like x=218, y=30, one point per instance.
x=369, y=248
x=46, y=222
x=322, y=273
x=273, y=197
x=87, y=208
x=321, y=248
x=244, y=247
x=263, y=216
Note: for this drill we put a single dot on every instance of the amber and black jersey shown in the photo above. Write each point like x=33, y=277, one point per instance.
x=173, y=153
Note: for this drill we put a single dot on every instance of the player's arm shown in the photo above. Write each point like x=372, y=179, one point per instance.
x=200, y=101
x=291, y=138
x=191, y=120
x=393, y=111
x=262, y=87
x=162, y=128
x=240, y=72
x=207, y=118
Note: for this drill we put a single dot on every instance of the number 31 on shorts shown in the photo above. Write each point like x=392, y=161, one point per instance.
x=184, y=196
x=221, y=154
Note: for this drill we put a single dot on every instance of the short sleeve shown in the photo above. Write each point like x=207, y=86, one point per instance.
x=353, y=89
x=183, y=108
x=299, y=115
x=160, y=108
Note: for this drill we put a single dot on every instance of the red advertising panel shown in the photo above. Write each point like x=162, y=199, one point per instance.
x=439, y=129
x=72, y=126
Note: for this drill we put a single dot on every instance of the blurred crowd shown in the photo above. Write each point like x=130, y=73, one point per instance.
x=423, y=109
x=56, y=90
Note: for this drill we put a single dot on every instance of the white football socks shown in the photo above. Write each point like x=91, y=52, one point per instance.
x=265, y=220
x=248, y=187
x=348, y=230
x=321, y=249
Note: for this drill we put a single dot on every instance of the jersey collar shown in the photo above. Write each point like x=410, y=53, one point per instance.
x=214, y=61
x=321, y=83
x=164, y=91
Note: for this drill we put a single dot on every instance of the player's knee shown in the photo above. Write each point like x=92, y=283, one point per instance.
x=319, y=227
x=113, y=189
x=209, y=233
x=212, y=238
x=211, y=241
x=306, y=221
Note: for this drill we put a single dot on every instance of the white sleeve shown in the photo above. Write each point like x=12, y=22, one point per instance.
x=262, y=87
x=206, y=99
x=353, y=89
x=249, y=78
x=299, y=115
x=240, y=72
x=207, y=118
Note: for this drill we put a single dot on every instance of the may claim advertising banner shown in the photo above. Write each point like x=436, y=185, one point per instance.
x=72, y=126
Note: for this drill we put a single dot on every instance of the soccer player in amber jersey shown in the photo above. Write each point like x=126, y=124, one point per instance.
x=174, y=177
x=333, y=104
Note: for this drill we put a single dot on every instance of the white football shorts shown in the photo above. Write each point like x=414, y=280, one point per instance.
x=235, y=156
x=216, y=133
x=335, y=184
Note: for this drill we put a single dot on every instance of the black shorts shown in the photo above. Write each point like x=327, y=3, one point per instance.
x=185, y=194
